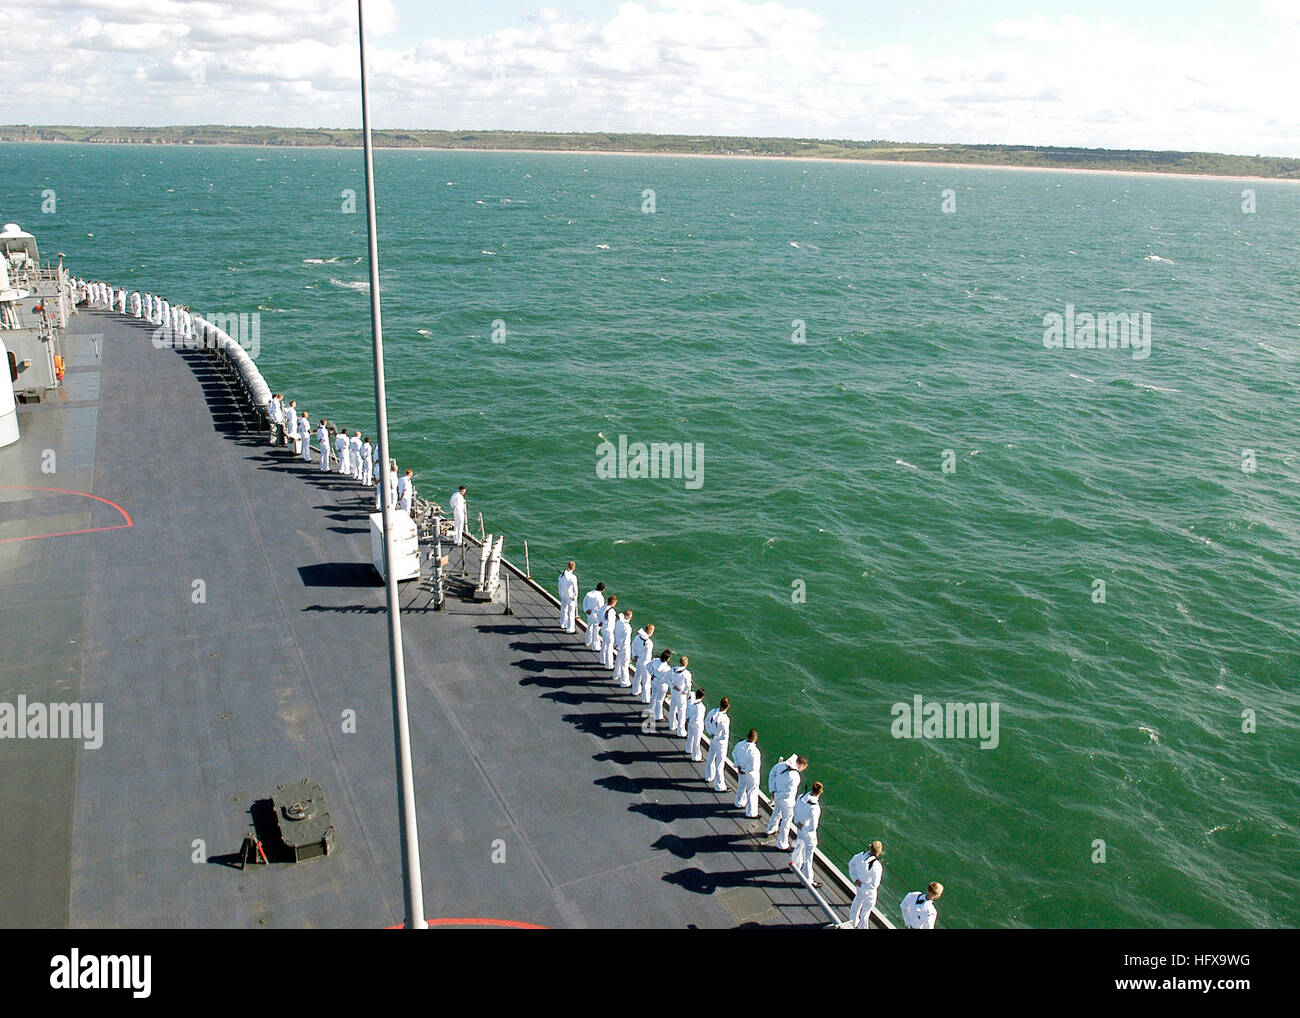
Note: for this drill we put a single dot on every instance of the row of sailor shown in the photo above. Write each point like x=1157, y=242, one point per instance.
x=654, y=679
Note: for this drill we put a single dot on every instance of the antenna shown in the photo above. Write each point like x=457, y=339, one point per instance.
x=411, y=878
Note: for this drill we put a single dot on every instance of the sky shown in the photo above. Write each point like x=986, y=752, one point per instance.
x=1197, y=75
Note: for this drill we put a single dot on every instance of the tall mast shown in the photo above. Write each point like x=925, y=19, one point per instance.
x=412, y=884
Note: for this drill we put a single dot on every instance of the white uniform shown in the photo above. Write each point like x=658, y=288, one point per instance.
x=367, y=464
x=458, y=513
x=661, y=678
x=392, y=486
x=405, y=493
x=622, y=651
x=694, y=729
x=642, y=649
x=919, y=912
x=865, y=871
x=343, y=447
x=291, y=427
x=354, y=449
x=164, y=313
x=607, y=617
x=569, y=601
x=135, y=304
x=304, y=429
x=807, y=816
x=748, y=760
x=783, y=784
x=718, y=724
x=121, y=301
x=592, y=605
x=679, y=696
x=323, y=436
x=275, y=414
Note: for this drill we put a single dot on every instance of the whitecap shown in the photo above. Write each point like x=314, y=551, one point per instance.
x=904, y=463
x=1152, y=734
x=1157, y=258
x=424, y=332
x=347, y=285
x=1082, y=378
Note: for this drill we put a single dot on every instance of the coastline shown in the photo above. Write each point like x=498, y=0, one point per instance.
x=928, y=163
x=829, y=159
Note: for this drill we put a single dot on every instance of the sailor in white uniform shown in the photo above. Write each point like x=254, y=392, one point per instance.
x=367, y=463
x=865, y=872
x=459, y=512
x=718, y=724
x=392, y=484
x=291, y=426
x=918, y=908
x=304, y=429
x=643, y=646
x=569, y=599
x=607, y=616
x=354, y=450
x=121, y=300
x=783, y=784
x=661, y=678
x=406, y=490
x=695, y=726
x=623, y=648
x=135, y=304
x=323, y=437
x=592, y=605
x=679, y=689
x=748, y=759
x=164, y=313
x=807, y=818
x=343, y=447
x=275, y=414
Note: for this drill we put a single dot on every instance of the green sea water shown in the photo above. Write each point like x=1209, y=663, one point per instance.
x=917, y=500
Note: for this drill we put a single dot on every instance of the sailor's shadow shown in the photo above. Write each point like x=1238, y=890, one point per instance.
x=668, y=812
x=601, y=725
x=626, y=757
x=705, y=845
x=636, y=786
x=571, y=699
x=701, y=882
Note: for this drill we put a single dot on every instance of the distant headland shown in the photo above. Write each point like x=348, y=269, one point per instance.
x=1009, y=156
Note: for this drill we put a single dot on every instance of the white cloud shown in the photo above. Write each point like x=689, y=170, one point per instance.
x=676, y=66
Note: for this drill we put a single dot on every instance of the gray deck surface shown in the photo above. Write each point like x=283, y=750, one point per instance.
x=517, y=733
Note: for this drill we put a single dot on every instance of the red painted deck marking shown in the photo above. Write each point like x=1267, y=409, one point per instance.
x=66, y=533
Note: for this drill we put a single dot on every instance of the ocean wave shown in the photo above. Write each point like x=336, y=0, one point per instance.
x=360, y=284
x=1157, y=258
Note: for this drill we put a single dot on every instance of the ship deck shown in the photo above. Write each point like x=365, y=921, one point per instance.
x=520, y=744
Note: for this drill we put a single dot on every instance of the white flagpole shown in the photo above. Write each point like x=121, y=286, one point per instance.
x=411, y=879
